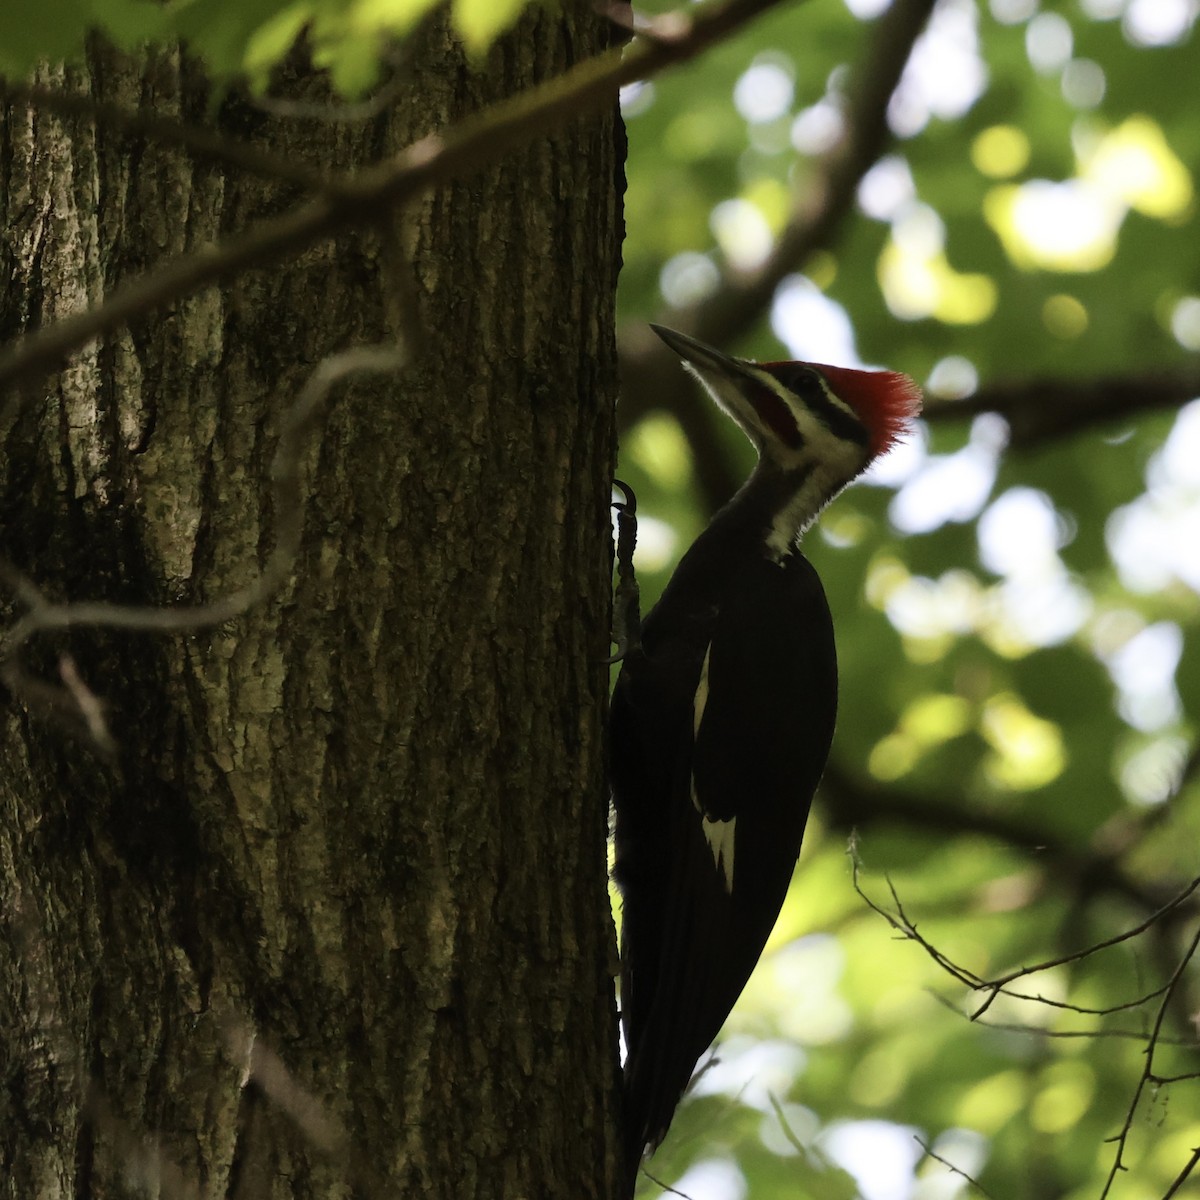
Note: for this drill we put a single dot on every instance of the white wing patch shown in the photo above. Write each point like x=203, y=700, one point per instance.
x=720, y=835
x=701, y=697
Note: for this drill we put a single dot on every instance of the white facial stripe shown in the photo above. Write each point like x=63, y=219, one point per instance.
x=814, y=432
x=720, y=836
x=835, y=399
x=791, y=521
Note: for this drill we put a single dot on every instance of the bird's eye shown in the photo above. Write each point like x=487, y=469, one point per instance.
x=798, y=378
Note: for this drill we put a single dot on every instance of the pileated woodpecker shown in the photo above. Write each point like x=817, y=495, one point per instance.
x=722, y=717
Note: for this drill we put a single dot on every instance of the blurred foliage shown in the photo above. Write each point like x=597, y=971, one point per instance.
x=244, y=39
x=1017, y=631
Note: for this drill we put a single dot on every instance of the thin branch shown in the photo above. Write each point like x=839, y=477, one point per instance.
x=260, y=1065
x=790, y=1135
x=21, y=586
x=306, y=1112
x=906, y=928
x=1182, y=1177
x=42, y=615
x=1082, y=1009
x=1042, y=410
x=971, y=1181
x=88, y=705
x=666, y=1187
x=364, y=198
x=1154, y=918
x=900, y=921
x=1122, y=1139
x=144, y=1161
x=1138, y=1035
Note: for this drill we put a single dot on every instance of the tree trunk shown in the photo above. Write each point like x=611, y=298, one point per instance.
x=333, y=919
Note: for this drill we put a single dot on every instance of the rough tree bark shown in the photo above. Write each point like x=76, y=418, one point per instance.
x=334, y=919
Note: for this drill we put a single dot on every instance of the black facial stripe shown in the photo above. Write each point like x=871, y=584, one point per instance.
x=804, y=383
x=839, y=422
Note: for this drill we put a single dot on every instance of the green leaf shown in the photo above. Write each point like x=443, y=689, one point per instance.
x=480, y=22
x=272, y=40
x=30, y=32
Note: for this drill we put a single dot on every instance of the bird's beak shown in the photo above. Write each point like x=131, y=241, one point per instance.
x=703, y=357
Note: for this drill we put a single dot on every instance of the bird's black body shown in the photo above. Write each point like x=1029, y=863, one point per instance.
x=722, y=718
x=766, y=632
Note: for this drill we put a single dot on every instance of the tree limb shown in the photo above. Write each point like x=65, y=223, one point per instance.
x=857, y=804
x=821, y=206
x=365, y=197
x=1042, y=410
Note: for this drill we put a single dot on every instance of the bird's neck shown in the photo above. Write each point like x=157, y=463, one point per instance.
x=765, y=519
x=774, y=507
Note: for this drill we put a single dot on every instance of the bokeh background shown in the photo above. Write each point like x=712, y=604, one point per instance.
x=998, y=198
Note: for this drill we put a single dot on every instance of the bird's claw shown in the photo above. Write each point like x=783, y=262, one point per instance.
x=627, y=619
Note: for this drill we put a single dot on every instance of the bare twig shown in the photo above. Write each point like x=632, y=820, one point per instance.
x=995, y=987
x=793, y=1139
x=900, y=921
x=666, y=1187
x=826, y=198
x=364, y=198
x=1122, y=1138
x=267, y=1069
x=1137, y=1035
x=1185, y=1077
x=260, y=1065
x=1182, y=1177
x=1082, y=1009
x=87, y=704
x=998, y=985
x=906, y=928
x=951, y=1167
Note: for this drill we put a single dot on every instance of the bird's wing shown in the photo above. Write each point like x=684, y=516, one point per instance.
x=765, y=723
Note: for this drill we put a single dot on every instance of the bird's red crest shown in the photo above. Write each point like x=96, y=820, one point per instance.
x=886, y=402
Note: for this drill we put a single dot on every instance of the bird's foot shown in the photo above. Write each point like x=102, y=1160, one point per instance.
x=627, y=617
